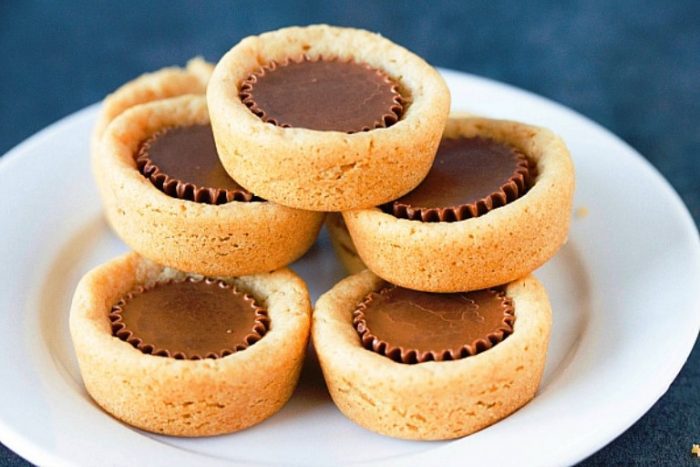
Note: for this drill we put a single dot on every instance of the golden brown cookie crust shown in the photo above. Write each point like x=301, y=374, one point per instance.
x=232, y=239
x=327, y=170
x=495, y=248
x=149, y=87
x=431, y=400
x=188, y=397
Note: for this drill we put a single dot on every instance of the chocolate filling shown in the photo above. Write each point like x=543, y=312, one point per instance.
x=323, y=94
x=414, y=327
x=189, y=319
x=183, y=163
x=470, y=176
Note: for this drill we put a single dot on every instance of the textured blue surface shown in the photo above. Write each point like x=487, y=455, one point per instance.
x=633, y=66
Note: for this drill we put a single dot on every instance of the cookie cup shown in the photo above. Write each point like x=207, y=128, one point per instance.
x=149, y=87
x=431, y=400
x=327, y=170
x=188, y=397
x=235, y=238
x=495, y=248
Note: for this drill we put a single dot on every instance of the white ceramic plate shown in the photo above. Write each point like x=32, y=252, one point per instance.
x=623, y=290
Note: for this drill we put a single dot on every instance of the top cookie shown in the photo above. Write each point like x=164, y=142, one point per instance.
x=326, y=118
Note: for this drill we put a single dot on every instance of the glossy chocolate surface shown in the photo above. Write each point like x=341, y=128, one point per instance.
x=189, y=319
x=325, y=95
x=412, y=326
x=184, y=163
x=469, y=177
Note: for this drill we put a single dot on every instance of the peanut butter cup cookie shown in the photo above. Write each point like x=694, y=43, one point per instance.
x=495, y=206
x=419, y=365
x=326, y=118
x=167, y=196
x=179, y=354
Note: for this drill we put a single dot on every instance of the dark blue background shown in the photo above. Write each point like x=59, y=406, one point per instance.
x=633, y=66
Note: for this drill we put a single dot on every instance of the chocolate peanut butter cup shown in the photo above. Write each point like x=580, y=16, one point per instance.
x=436, y=399
x=167, y=196
x=469, y=177
x=189, y=319
x=364, y=117
x=415, y=327
x=323, y=94
x=183, y=163
x=512, y=184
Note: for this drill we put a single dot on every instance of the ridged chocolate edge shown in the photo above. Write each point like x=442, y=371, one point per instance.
x=120, y=330
x=515, y=187
x=411, y=356
x=180, y=189
x=246, y=93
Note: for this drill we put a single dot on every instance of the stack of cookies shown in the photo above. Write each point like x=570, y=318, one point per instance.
x=202, y=330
